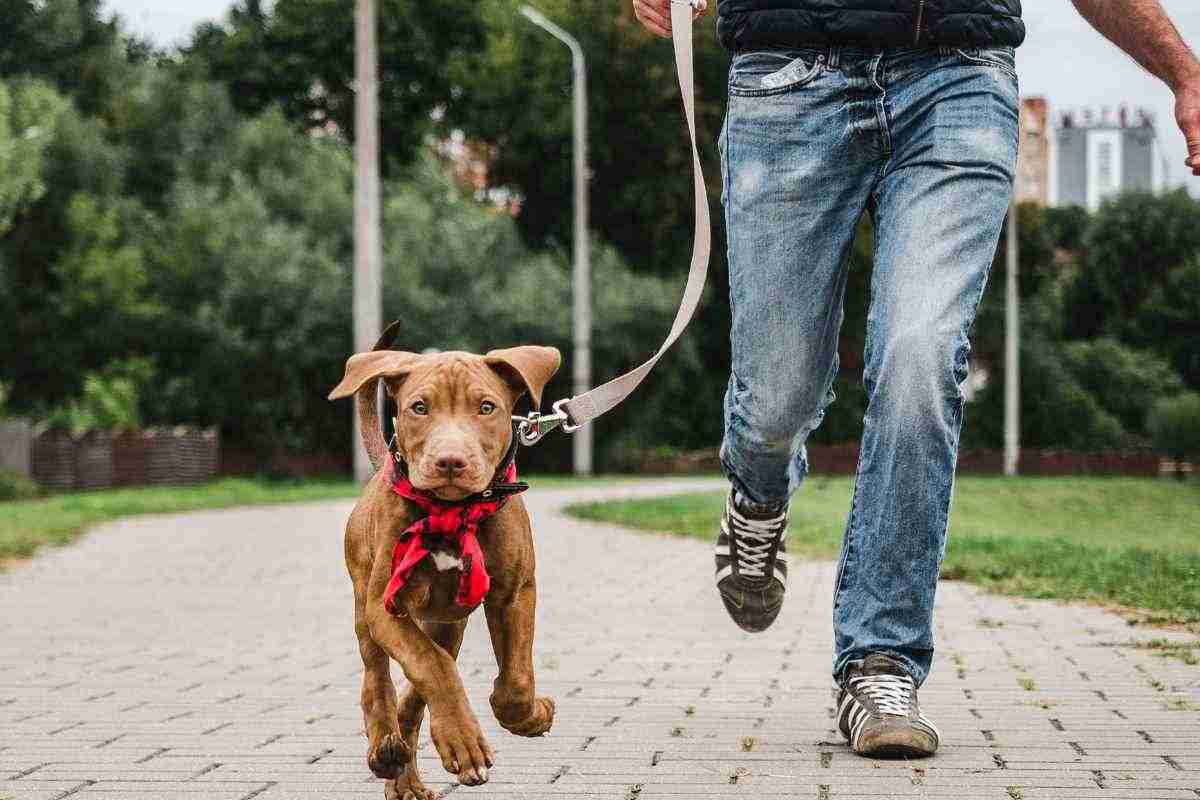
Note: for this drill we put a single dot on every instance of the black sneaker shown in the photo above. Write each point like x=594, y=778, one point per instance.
x=878, y=712
x=752, y=562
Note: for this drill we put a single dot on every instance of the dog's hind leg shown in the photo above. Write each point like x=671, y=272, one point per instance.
x=387, y=751
x=517, y=708
x=408, y=785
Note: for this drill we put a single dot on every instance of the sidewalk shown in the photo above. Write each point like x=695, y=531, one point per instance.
x=211, y=656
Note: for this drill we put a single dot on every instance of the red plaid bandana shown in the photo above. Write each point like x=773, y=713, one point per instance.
x=458, y=521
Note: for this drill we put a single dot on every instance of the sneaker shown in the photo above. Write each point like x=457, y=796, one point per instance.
x=752, y=562
x=878, y=713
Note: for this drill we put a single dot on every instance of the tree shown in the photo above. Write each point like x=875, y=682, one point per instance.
x=71, y=44
x=299, y=55
x=1131, y=245
x=516, y=97
x=1123, y=381
x=1169, y=321
x=29, y=114
x=1067, y=225
x=1053, y=397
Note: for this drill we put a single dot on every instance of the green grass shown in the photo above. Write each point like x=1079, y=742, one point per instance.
x=27, y=525
x=1132, y=542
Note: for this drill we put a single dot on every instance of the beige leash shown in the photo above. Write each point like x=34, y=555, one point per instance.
x=573, y=412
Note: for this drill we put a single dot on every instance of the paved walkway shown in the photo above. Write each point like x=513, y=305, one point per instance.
x=211, y=657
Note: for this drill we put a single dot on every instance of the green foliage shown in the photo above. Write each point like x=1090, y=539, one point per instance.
x=1054, y=396
x=15, y=486
x=299, y=55
x=460, y=277
x=194, y=209
x=1174, y=424
x=641, y=197
x=1169, y=321
x=1132, y=243
x=70, y=44
x=1067, y=226
x=109, y=400
x=29, y=113
x=1124, y=382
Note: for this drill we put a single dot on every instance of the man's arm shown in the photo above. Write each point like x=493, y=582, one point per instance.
x=1143, y=30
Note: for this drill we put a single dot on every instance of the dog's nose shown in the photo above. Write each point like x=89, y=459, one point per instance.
x=451, y=464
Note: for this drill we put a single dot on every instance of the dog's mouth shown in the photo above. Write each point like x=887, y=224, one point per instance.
x=452, y=489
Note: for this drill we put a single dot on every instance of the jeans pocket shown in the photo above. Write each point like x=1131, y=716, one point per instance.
x=768, y=72
x=1003, y=58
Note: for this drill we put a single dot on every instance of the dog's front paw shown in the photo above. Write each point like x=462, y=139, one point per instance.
x=461, y=746
x=388, y=757
x=408, y=787
x=534, y=723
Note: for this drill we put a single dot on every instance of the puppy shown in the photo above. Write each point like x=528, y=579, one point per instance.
x=438, y=531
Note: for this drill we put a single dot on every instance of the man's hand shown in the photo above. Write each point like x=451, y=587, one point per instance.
x=1187, y=114
x=655, y=15
x=1143, y=30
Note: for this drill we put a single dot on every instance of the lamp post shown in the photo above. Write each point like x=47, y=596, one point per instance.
x=368, y=250
x=1012, y=352
x=581, y=278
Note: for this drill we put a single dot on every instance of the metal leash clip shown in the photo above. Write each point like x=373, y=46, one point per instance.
x=532, y=428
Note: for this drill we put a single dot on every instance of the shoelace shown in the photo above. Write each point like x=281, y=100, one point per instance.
x=892, y=694
x=755, y=540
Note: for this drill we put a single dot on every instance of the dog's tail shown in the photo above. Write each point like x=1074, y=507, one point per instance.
x=366, y=403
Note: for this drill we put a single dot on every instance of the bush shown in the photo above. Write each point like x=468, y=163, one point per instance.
x=1056, y=410
x=109, y=401
x=1174, y=425
x=15, y=486
x=1124, y=382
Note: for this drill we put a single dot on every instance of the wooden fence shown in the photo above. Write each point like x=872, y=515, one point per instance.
x=156, y=457
x=16, y=444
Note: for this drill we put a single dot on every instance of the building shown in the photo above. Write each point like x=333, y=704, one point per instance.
x=1099, y=155
x=1033, y=161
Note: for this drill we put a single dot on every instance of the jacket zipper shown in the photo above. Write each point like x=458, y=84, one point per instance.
x=920, y=16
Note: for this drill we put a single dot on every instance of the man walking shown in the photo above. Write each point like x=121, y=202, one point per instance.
x=907, y=110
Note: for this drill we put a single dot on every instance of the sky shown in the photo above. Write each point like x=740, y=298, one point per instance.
x=1062, y=59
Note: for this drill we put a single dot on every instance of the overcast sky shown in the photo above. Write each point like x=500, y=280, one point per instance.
x=1062, y=59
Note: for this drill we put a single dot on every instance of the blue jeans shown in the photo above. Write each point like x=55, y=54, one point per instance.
x=925, y=141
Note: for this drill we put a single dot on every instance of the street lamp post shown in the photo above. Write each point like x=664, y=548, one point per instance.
x=581, y=280
x=368, y=249
x=1012, y=352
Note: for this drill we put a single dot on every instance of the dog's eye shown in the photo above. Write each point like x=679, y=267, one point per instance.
x=487, y=407
x=420, y=408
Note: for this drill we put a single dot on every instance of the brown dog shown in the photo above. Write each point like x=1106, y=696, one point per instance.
x=453, y=430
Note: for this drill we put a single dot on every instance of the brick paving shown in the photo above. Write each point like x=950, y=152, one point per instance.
x=210, y=656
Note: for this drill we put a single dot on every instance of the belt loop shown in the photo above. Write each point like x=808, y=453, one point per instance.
x=833, y=56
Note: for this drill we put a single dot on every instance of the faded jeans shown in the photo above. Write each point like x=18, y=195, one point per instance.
x=925, y=141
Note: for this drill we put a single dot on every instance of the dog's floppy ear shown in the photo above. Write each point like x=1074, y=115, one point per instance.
x=527, y=369
x=364, y=367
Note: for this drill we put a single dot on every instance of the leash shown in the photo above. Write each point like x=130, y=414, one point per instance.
x=574, y=412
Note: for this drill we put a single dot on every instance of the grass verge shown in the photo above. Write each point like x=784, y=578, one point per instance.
x=1126, y=541
x=26, y=525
